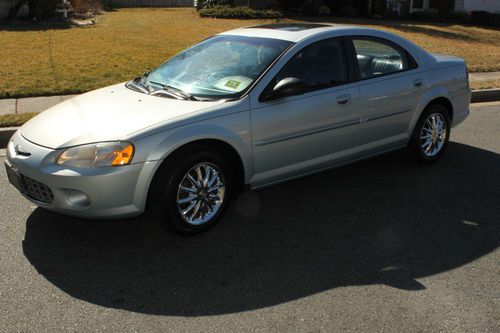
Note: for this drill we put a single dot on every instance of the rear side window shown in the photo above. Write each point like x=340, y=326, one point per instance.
x=320, y=65
x=377, y=57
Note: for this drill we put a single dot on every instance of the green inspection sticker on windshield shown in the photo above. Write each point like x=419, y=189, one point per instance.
x=233, y=84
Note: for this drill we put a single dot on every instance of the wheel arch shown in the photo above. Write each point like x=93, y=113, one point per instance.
x=444, y=102
x=436, y=96
x=234, y=158
x=173, y=147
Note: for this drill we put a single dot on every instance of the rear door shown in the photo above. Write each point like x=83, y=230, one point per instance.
x=301, y=133
x=390, y=85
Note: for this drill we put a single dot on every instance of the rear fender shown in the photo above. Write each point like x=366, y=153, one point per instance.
x=425, y=100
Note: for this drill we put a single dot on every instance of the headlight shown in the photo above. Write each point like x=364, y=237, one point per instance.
x=97, y=155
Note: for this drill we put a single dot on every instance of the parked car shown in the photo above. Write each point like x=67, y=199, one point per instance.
x=250, y=107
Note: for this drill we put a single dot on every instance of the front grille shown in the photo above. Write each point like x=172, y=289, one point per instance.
x=37, y=191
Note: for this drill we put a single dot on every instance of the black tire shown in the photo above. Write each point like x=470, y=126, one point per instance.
x=415, y=149
x=165, y=187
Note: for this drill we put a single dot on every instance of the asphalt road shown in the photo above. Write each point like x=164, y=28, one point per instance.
x=382, y=245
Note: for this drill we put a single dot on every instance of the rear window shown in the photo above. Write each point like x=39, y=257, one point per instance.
x=377, y=57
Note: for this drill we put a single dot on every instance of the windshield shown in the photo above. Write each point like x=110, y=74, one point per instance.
x=219, y=67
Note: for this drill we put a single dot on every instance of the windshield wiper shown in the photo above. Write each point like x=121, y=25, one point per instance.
x=176, y=91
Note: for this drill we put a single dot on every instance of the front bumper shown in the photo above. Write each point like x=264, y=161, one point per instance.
x=95, y=193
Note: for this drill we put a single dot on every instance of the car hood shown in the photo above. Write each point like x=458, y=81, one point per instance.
x=105, y=114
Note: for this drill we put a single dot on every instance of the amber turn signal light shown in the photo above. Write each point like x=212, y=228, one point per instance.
x=124, y=156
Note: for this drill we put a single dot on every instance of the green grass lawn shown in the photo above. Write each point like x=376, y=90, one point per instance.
x=36, y=60
x=10, y=120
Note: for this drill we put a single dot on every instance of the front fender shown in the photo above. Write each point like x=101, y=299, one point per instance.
x=233, y=130
x=179, y=138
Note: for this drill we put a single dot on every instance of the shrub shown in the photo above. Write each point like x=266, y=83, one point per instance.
x=293, y=5
x=14, y=8
x=324, y=10
x=456, y=16
x=213, y=3
x=443, y=6
x=239, y=13
x=43, y=9
x=425, y=15
x=87, y=6
x=379, y=7
x=308, y=8
x=474, y=17
x=360, y=5
x=391, y=14
x=485, y=18
x=347, y=11
x=39, y=9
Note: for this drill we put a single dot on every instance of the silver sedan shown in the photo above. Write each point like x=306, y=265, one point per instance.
x=249, y=107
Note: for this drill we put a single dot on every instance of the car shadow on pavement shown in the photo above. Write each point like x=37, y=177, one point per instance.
x=382, y=221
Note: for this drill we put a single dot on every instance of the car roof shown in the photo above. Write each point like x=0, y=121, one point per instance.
x=298, y=32
x=292, y=32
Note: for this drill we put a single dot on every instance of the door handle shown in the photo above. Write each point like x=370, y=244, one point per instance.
x=344, y=99
x=417, y=82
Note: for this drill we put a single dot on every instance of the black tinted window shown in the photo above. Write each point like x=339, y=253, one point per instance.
x=377, y=58
x=319, y=65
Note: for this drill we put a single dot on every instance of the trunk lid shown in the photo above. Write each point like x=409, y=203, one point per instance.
x=447, y=60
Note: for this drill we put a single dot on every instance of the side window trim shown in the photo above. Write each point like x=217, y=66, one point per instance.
x=353, y=59
x=350, y=74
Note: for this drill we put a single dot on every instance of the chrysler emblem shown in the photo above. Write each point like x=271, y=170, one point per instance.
x=19, y=151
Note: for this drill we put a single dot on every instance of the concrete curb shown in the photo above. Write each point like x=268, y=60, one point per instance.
x=485, y=95
x=478, y=96
x=5, y=134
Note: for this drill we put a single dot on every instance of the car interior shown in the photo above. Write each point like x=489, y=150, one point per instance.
x=374, y=65
x=318, y=65
x=378, y=58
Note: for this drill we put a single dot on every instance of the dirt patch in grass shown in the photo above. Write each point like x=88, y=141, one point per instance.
x=48, y=61
x=10, y=120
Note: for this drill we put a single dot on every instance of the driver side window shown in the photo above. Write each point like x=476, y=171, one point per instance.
x=320, y=65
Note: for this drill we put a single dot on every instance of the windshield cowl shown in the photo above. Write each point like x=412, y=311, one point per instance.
x=136, y=85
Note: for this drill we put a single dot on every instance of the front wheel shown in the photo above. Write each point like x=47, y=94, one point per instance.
x=431, y=135
x=194, y=193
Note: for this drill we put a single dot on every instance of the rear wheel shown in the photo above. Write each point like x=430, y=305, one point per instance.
x=193, y=193
x=431, y=134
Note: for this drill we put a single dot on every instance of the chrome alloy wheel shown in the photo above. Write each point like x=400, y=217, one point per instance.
x=201, y=193
x=433, y=135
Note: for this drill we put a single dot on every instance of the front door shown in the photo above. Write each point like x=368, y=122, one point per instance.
x=306, y=131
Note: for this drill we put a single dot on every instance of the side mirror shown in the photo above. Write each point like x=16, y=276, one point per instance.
x=289, y=86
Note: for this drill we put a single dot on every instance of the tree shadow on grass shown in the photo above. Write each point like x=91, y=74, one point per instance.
x=430, y=29
x=433, y=32
x=18, y=25
x=382, y=221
